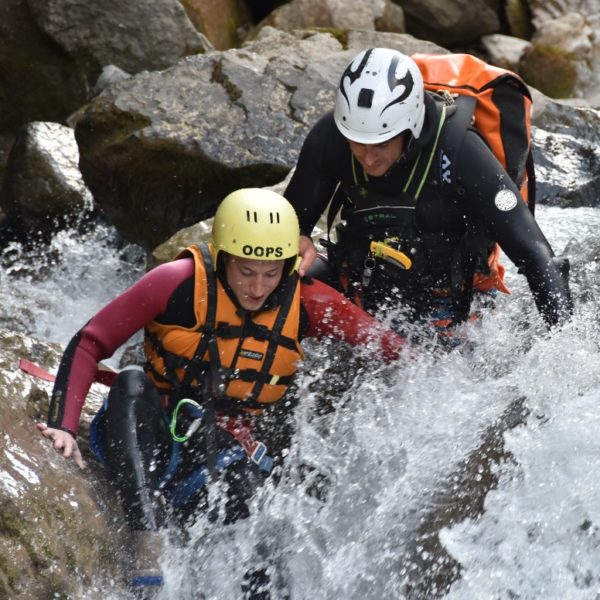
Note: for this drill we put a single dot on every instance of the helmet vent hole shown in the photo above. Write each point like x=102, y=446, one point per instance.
x=274, y=217
x=251, y=217
x=365, y=98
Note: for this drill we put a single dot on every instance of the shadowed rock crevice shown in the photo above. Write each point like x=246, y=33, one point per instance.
x=218, y=76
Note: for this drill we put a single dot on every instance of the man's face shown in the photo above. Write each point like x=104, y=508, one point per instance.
x=377, y=159
x=251, y=280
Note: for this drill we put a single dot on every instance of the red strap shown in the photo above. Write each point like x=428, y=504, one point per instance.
x=28, y=367
x=104, y=375
x=241, y=430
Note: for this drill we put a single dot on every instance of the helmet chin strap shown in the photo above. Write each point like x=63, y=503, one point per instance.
x=291, y=265
x=411, y=148
x=407, y=149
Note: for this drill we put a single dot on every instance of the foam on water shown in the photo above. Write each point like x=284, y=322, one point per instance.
x=363, y=477
x=52, y=291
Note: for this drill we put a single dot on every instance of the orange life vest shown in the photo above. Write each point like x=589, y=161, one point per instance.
x=254, y=354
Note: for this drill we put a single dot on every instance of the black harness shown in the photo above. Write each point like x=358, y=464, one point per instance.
x=207, y=380
x=440, y=260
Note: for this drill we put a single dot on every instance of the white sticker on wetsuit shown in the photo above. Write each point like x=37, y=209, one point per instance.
x=505, y=200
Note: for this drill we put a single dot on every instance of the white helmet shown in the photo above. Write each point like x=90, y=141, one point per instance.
x=379, y=96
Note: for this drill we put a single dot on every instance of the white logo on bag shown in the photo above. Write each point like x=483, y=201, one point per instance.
x=505, y=200
x=446, y=164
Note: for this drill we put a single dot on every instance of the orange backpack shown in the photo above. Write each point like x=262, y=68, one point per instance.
x=502, y=115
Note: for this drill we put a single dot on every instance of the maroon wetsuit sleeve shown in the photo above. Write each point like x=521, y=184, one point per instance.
x=111, y=327
x=331, y=314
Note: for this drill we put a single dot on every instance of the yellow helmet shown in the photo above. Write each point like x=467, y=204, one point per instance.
x=256, y=223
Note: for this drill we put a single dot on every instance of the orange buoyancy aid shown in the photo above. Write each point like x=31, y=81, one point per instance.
x=255, y=354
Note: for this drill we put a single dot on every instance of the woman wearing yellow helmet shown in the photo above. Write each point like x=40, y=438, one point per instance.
x=223, y=324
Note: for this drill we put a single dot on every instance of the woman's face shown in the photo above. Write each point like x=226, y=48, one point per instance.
x=252, y=280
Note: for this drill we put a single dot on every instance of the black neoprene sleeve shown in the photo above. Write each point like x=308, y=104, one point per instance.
x=485, y=190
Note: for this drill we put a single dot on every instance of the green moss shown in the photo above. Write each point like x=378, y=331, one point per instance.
x=11, y=576
x=12, y=525
x=549, y=69
x=341, y=35
x=11, y=522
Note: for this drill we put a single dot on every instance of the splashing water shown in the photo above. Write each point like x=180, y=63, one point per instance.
x=50, y=292
x=413, y=482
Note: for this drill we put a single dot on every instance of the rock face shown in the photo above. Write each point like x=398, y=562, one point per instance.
x=451, y=22
x=43, y=184
x=567, y=35
x=180, y=124
x=59, y=527
x=168, y=146
x=52, y=51
x=380, y=15
x=159, y=150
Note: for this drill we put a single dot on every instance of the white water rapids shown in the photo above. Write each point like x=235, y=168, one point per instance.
x=386, y=457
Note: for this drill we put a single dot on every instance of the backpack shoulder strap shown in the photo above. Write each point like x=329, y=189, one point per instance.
x=459, y=122
x=513, y=123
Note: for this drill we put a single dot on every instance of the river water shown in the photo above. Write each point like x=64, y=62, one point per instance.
x=403, y=451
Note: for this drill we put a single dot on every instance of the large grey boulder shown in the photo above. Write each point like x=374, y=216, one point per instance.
x=574, y=27
x=451, y=23
x=52, y=51
x=43, y=186
x=566, y=153
x=382, y=15
x=160, y=150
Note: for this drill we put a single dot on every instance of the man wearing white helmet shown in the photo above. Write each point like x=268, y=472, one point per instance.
x=424, y=201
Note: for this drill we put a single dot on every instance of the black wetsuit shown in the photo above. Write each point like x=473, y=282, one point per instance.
x=465, y=203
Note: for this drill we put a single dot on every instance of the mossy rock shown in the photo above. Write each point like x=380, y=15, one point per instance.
x=550, y=70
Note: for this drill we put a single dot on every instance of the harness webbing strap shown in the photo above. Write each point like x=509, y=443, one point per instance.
x=241, y=430
x=284, y=309
x=196, y=363
x=172, y=362
x=184, y=491
x=251, y=329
